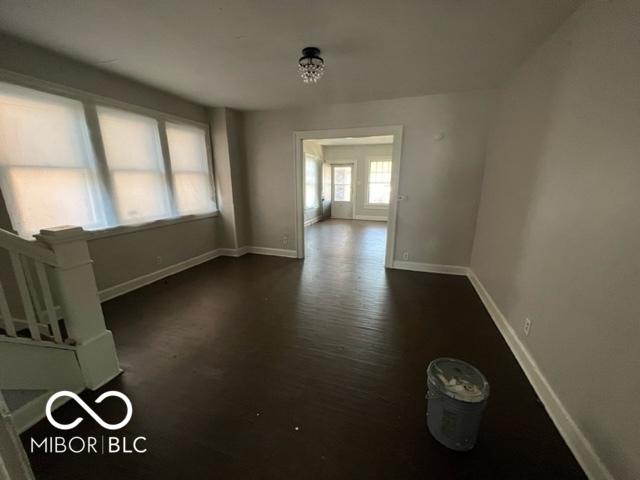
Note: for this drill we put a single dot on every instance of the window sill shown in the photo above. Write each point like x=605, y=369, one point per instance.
x=138, y=227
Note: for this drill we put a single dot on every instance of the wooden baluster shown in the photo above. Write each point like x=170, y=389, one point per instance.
x=48, y=302
x=5, y=313
x=24, y=295
x=33, y=291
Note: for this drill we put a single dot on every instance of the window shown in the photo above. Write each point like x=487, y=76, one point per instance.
x=51, y=174
x=379, y=185
x=342, y=184
x=134, y=157
x=192, y=188
x=311, y=182
x=47, y=169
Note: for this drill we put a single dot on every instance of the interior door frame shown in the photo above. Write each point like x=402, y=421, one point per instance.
x=298, y=161
x=354, y=179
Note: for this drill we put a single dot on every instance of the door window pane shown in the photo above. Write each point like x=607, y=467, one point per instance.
x=342, y=184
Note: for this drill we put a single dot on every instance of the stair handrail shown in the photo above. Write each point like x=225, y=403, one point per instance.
x=29, y=248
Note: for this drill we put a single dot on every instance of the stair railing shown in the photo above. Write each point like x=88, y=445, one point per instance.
x=55, y=299
x=30, y=263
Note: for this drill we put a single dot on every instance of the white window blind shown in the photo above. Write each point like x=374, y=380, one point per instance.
x=192, y=189
x=342, y=184
x=50, y=175
x=379, y=188
x=139, y=189
x=310, y=183
x=47, y=168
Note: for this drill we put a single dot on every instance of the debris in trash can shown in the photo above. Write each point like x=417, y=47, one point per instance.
x=457, y=394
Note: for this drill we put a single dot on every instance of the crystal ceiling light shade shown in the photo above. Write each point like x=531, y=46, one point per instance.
x=311, y=65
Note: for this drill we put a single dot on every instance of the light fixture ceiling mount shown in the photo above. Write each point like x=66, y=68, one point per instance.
x=311, y=65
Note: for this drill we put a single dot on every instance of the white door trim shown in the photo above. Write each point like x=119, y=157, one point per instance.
x=298, y=162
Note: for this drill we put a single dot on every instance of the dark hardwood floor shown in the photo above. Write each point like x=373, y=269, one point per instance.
x=273, y=368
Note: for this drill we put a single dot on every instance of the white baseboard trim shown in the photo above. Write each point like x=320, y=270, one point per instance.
x=375, y=218
x=571, y=433
x=230, y=252
x=313, y=220
x=143, y=280
x=276, y=252
x=430, y=267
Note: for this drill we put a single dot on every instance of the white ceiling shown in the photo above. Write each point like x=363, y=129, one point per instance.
x=377, y=140
x=243, y=53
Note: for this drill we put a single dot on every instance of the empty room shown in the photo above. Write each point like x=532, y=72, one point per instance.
x=326, y=240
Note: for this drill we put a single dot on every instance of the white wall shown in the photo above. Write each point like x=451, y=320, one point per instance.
x=360, y=155
x=25, y=58
x=442, y=178
x=235, y=141
x=558, y=236
x=228, y=164
x=123, y=257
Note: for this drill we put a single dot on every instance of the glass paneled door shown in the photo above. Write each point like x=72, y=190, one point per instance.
x=342, y=201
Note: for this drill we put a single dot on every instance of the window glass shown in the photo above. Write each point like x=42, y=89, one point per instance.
x=192, y=189
x=49, y=175
x=47, y=169
x=134, y=157
x=379, y=188
x=311, y=183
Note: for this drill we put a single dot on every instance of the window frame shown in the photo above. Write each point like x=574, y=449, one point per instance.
x=166, y=153
x=370, y=159
x=88, y=168
x=352, y=186
x=90, y=103
x=111, y=170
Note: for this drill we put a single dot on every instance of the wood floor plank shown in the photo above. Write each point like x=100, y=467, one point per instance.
x=274, y=368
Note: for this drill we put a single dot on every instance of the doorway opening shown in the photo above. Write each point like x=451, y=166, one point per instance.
x=346, y=192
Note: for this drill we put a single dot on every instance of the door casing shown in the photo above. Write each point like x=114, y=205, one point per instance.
x=396, y=131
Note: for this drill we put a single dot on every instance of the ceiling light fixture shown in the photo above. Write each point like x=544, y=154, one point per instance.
x=311, y=65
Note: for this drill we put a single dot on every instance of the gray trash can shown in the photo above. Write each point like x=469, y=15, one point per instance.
x=456, y=396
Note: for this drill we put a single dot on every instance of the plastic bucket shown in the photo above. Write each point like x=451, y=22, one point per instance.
x=456, y=397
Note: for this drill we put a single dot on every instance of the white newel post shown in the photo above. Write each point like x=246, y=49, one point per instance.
x=81, y=310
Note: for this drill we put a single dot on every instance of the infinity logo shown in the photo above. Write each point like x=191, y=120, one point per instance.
x=94, y=415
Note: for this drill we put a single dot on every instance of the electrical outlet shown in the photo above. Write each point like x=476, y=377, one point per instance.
x=405, y=255
x=158, y=260
x=527, y=326
x=285, y=239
